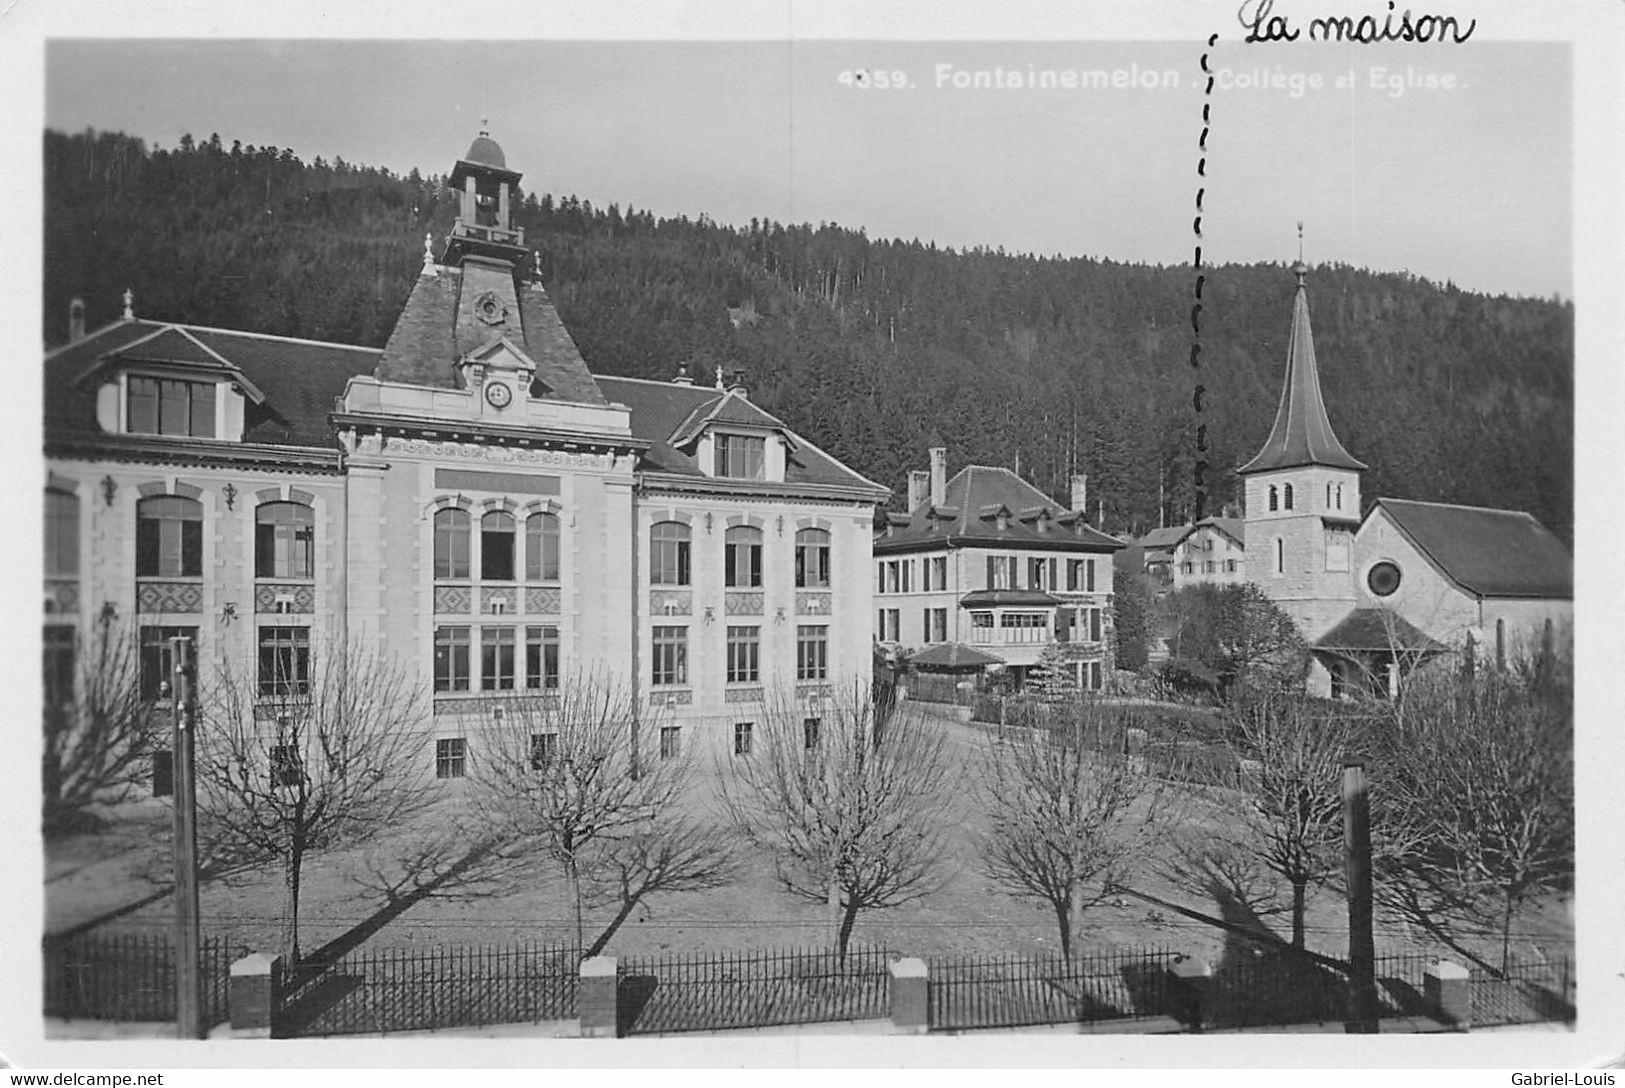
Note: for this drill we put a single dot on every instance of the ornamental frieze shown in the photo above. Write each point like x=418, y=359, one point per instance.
x=813, y=604
x=284, y=597
x=672, y=698
x=743, y=695
x=540, y=601
x=667, y=602
x=808, y=693
x=505, y=455
x=168, y=597
x=743, y=604
x=458, y=599
x=485, y=706
x=496, y=600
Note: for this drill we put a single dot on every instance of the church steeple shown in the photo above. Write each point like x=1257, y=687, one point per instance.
x=1302, y=434
x=484, y=225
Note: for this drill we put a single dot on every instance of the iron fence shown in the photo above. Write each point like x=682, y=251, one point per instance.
x=410, y=989
x=129, y=977
x=965, y=993
x=1527, y=992
x=722, y=990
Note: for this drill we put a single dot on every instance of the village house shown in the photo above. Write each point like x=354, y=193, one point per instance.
x=470, y=497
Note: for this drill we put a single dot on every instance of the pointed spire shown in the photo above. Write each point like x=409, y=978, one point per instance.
x=1302, y=434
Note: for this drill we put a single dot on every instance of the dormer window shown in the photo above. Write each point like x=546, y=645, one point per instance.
x=741, y=456
x=169, y=406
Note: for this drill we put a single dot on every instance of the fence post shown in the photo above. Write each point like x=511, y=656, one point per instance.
x=908, y=1009
x=256, y=991
x=1447, y=990
x=599, y=1006
x=1134, y=739
x=1192, y=985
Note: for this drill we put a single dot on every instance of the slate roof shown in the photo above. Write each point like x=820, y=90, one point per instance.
x=953, y=655
x=1377, y=629
x=1490, y=553
x=1302, y=434
x=660, y=411
x=1164, y=539
x=300, y=379
x=969, y=515
x=1234, y=528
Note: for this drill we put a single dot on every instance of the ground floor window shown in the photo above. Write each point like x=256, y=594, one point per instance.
x=284, y=660
x=542, y=657
x=671, y=741
x=286, y=768
x=744, y=655
x=60, y=640
x=163, y=773
x=544, y=749
x=810, y=728
x=451, y=651
x=450, y=757
x=156, y=664
x=670, y=655
x=812, y=652
x=742, y=737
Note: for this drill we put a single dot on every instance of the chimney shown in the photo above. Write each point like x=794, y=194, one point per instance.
x=919, y=488
x=1080, y=494
x=76, y=320
x=682, y=375
x=737, y=386
x=939, y=475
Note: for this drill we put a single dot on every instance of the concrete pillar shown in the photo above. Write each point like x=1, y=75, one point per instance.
x=596, y=1001
x=908, y=1009
x=1445, y=988
x=256, y=990
x=1191, y=983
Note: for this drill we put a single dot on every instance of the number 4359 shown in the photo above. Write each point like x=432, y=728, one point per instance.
x=864, y=79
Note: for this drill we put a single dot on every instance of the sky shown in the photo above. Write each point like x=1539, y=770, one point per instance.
x=1468, y=183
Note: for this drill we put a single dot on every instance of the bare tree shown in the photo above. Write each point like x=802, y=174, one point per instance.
x=100, y=728
x=303, y=754
x=1478, y=798
x=562, y=773
x=852, y=806
x=1291, y=816
x=1070, y=816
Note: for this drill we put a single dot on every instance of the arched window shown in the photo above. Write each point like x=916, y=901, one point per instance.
x=812, y=559
x=1280, y=556
x=284, y=540
x=61, y=533
x=1275, y=498
x=668, y=554
x=743, y=557
x=1328, y=496
x=1287, y=497
x=497, y=546
x=451, y=553
x=1340, y=496
x=542, y=548
x=168, y=537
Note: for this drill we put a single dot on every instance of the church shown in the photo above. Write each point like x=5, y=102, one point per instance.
x=471, y=498
x=1409, y=582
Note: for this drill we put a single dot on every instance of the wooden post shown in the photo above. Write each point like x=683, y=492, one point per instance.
x=1357, y=872
x=188, y=981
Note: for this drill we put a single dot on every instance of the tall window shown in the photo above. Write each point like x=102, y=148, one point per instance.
x=743, y=557
x=497, y=546
x=59, y=664
x=1328, y=496
x=1340, y=496
x=669, y=554
x=541, y=548
x=168, y=537
x=812, y=652
x=935, y=574
x=451, y=531
x=812, y=559
x=1286, y=496
x=284, y=540
x=156, y=664
x=451, y=651
x=936, y=622
x=284, y=660
x=810, y=728
x=450, y=757
x=670, y=655
x=1280, y=556
x=542, y=657
x=1001, y=572
x=496, y=658
x=744, y=655
x=890, y=626
x=163, y=406
x=740, y=455
x=61, y=533
x=742, y=737
x=1275, y=498
x=671, y=741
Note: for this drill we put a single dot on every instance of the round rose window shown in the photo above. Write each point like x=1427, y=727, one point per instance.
x=1383, y=579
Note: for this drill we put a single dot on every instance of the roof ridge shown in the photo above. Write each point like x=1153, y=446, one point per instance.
x=1464, y=506
x=52, y=353
x=277, y=337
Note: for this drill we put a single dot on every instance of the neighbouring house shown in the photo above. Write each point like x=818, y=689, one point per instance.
x=1410, y=581
x=1212, y=551
x=987, y=560
x=469, y=496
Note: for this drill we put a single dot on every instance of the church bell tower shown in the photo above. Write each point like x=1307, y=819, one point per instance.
x=1303, y=495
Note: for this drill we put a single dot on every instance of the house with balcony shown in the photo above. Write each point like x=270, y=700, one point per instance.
x=987, y=560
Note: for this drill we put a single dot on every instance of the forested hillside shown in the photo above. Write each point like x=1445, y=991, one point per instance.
x=876, y=350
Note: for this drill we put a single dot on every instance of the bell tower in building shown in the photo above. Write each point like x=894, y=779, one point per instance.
x=1303, y=495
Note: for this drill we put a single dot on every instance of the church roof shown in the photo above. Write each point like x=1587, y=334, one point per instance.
x=664, y=412
x=1302, y=434
x=1376, y=629
x=972, y=501
x=1491, y=553
x=485, y=151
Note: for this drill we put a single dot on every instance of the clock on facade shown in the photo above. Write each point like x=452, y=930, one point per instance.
x=498, y=394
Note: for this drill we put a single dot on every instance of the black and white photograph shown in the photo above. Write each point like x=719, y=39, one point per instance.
x=815, y=536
